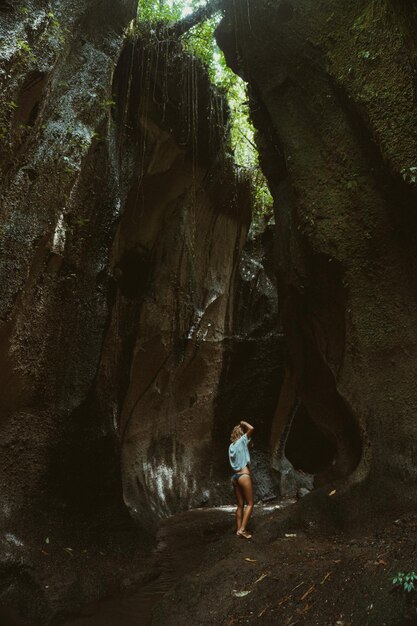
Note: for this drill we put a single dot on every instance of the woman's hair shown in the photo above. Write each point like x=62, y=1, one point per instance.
x=236, y=433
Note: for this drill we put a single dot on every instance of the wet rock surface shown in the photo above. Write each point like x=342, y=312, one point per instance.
x=61, y=198
x=122, y=227
x=337, y=143
x=138, y=324
x=174, y=261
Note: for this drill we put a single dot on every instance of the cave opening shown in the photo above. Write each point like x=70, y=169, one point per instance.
x=308, y=448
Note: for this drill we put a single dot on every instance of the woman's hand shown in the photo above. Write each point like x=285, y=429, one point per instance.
x=248, y=428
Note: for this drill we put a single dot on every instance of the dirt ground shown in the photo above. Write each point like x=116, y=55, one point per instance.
x=298, y=578
x=201, y=574
x=64, y=566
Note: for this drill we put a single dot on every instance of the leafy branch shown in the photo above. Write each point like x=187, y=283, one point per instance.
x=405, y=581
x=202, y=14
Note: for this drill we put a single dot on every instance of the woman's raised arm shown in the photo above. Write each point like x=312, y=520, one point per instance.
x=248, y=428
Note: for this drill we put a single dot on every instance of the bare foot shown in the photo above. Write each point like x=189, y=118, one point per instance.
x=244, y=534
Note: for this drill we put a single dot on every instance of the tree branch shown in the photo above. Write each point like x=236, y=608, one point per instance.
x=200, y=15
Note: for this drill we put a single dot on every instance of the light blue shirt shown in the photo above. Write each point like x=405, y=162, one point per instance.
x=239, y=453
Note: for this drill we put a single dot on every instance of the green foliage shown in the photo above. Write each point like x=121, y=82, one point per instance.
x=81, y=221
x=69, y=167
x=25, y=51
x=23, y=46
x=262, y=201
x=108, y=102
x=54, y=29
x=200, y=41
x=405, y=581
x=53, y=21
x=97, y=137
x=152, y=11
x=409, y=174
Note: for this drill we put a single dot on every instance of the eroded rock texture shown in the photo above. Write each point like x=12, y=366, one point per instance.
x=61, y=196
x=253, y=363
x=136, y=325
x=175, y=257
x=333, y=89
x=127, y=308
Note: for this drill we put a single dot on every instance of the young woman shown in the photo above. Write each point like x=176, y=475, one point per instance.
x=241, y=479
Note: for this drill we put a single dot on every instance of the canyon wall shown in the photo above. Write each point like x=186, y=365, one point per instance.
x=62, y=195
x=175, y=258
x=138, y=324
x=332, y=88
x=129, y=305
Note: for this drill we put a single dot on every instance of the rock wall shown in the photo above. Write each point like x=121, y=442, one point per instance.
x=332, y=88
x=61, y=197
x=253, y=363
x=192, y=309
x=126, y=308
x=174, y=259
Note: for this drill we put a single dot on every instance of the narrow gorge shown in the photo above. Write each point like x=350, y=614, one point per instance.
x=147, y=307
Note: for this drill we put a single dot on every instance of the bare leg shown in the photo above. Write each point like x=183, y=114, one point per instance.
x=240, y=503
x=245, y=484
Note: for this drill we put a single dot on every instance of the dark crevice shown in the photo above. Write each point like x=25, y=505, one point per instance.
x=84, y=470
x=133, y=273
x=315, y=332
x=308, y=448
x=29, y=99
x=6, y=6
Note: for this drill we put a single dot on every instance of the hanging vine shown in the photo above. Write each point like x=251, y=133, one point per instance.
x=195, y=22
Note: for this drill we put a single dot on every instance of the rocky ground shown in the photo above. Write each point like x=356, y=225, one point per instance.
x=62, y=566
x=297, y=578
x=201, y=573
